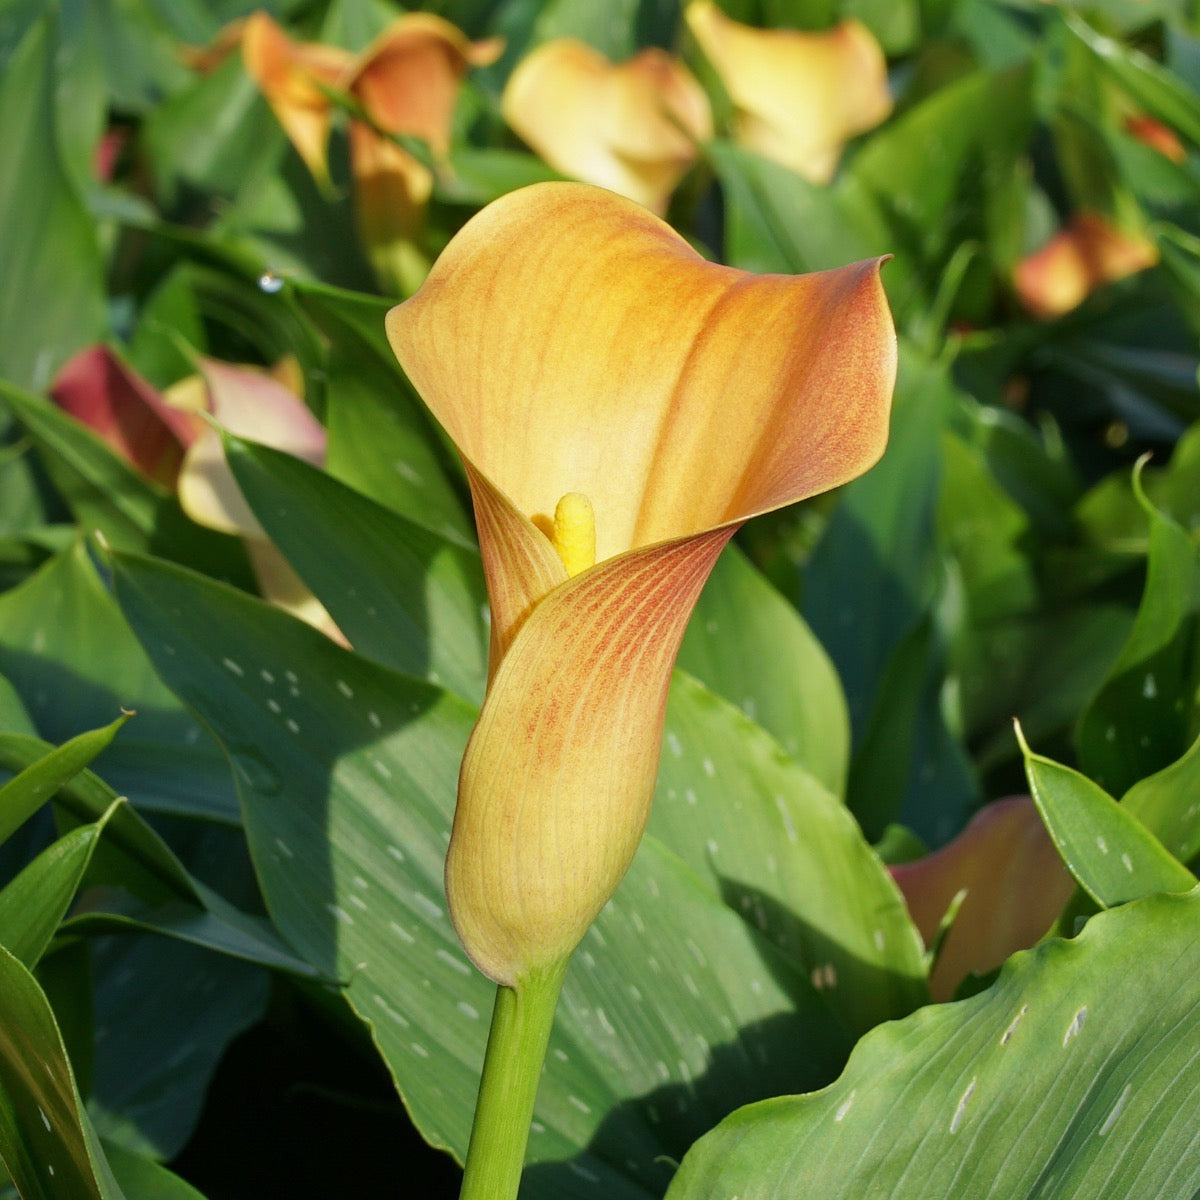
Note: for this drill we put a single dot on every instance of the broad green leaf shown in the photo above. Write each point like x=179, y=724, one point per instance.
x=777, y=221
x=33, y=904
x=873, y=572
x=66, y=648
x=106, y=494
x=381, y=440
x=143, y=1179
x=1053, y=1082
x=936, y=177
x=404, y=596
x=51, y=276
x=781, y=850
x=215, y=134
x=1166, y=804
x=746, y=643
x=1112, y=855
x=46, y=1139
x=38, y=783
x=347, y=772
x=1143, y=717
x=165, y=1013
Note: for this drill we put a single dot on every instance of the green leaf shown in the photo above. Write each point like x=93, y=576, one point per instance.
x=142, y=1179
x=381, y=439
x=872, y=574
x=404, y=596
x=781, y=851
x=937, y=177
x=1165, y=803
x=347, y=772
x=1050, y=1083
x=777, y=221
x=46, y=1140
x=165, y=1012
x=21, y=797
x=52, y=275
x=68, y=651
x=1112, y=855
x=216, y=135
x=746, y=643
x=1143, y=716
x=1151, y=85
x=33, y=904
x=134, y=858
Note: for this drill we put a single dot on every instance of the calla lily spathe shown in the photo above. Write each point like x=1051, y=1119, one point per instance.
x=406, y=83
x=1088, y=252
x=631, y=127
x=798, y=97
x=595, y=373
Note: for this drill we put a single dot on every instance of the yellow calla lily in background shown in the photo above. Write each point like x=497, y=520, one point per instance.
x=798, y=97
x=621, y=406
x=631, y=127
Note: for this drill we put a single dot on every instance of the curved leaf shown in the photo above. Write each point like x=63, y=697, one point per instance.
x=1051, y=1083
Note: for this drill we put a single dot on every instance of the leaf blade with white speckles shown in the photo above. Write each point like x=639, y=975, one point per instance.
x=1143, y=716
x=1051, y=1083
x=347, y=774
x=1112, y=855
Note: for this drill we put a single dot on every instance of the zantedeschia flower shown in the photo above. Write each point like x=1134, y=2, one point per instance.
x=126, y=412
x=168, y=440
x=798, y=97
x=1156, y=135
x=631, y=127
x=1088, y=253
x=406, y=83
x=621, y=407
x=1015, y=884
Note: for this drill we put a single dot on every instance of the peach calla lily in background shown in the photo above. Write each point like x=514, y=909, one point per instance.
x=631, y=127
x=621, y=407
x=798, y=97
x=1088, y=253
x=406, y=83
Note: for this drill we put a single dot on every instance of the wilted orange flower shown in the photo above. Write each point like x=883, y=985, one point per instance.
x=621, y=407
x=631, y=127
x=406, y=83
x=1088, y=253
x=798, y=97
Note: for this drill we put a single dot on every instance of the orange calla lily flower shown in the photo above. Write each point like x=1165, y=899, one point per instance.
x=290, y=76
x=631, y=127
x=621, y=407
x=1088, y=253
x=406, y=83
x=798, y=97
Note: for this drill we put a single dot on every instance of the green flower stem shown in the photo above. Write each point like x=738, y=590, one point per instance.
x=512, y=1069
